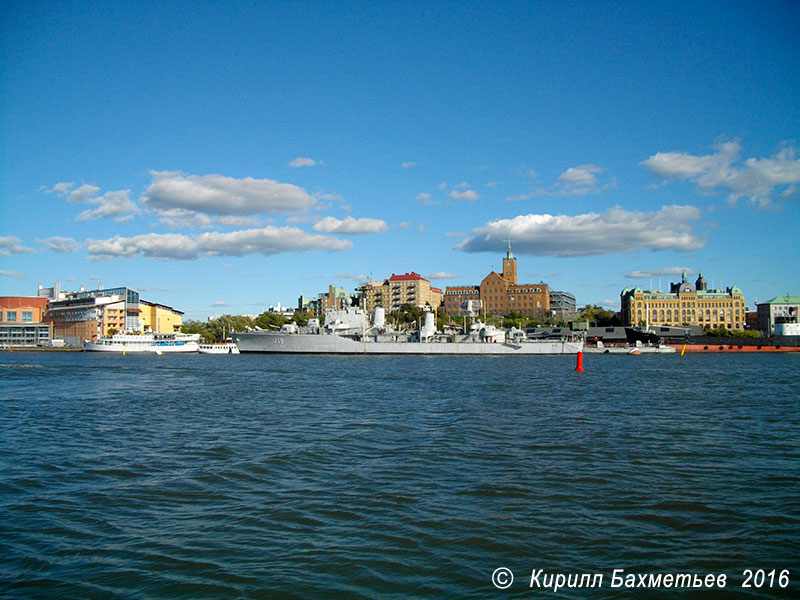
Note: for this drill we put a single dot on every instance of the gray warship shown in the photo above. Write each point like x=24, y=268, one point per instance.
x=349, y=331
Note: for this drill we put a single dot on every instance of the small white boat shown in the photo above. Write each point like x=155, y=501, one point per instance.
x=228, y=348
x=153, y=343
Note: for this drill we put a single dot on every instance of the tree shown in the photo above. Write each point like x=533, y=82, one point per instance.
x=725, y=332
x=514, y=319
x=408, y=313
x=218, y=329
x=301, y=318
x=599, y=316
x=270, y=320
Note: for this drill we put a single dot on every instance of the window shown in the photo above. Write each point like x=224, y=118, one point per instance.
x=27, y=316
x=11, y=315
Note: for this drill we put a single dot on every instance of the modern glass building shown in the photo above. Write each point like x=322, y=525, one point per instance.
x=90, y=314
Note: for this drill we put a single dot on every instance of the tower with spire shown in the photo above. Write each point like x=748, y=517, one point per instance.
x=510, y=266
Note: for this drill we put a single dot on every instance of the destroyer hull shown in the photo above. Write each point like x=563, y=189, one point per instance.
x=277, y=343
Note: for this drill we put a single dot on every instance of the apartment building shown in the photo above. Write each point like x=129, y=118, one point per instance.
x=408, y=288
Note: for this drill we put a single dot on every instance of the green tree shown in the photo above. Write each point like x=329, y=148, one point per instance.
x=514, y=319
x=599, y=316
x=725, y=332
x=301, y=318
x=270, y=320
x=217, y=330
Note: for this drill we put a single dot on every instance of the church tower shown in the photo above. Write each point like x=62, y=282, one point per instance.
x=510, y=266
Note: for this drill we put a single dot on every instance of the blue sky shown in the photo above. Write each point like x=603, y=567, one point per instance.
x=223, y=157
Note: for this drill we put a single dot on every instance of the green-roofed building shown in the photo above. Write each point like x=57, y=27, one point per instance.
x=684, y=305
x=782, y=309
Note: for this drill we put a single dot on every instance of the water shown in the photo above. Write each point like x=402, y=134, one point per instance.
x=392, y=477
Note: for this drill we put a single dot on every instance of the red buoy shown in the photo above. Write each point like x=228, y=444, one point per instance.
x=579, y=368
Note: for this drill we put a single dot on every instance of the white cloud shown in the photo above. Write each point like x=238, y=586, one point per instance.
x=425, y=198
x=349, y=225
x=681, y=165
x=266, y=241
x=180, y=218
x=351, y=276
x=111, y=204
x=11, y=245
x=755, y=178
x=60, y=244
x=575, y=181
x=14, y=274
x=301, y=161
x=468, y=195
x=580, y=180
x=219, y=304
x=669, y=271
x=234, y=221
x=116, y=204
x=611, y=232
x=84, y=194
x=62, y=188
x=220, y=195
x=81, y=195
x=442, y=275
x=408, y=165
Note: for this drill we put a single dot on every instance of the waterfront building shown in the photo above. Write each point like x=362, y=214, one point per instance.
x=684, y=305
x=22, y=322
x=455, y=296
x=408, y=288
x=782, y=309
x=88, y=315
x=155, y=318
x=374, y=293
x=563, y=305
x=501, y=293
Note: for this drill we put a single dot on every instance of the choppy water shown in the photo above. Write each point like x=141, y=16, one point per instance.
x=392, y=477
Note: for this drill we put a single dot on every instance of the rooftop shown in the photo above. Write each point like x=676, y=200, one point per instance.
x=407, y=277
x=783, y=300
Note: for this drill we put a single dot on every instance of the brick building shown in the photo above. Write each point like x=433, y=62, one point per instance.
x=502, y=294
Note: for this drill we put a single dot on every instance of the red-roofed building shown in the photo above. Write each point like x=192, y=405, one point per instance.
x=408, y=288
